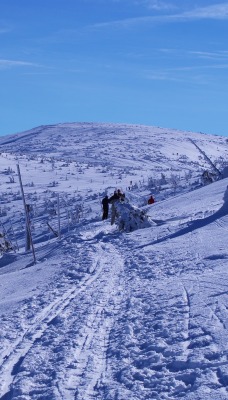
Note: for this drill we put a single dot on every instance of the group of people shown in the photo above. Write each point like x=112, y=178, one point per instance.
x=118, y=195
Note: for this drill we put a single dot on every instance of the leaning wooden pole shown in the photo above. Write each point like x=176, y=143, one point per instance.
x=58, y=208
x=28, y=229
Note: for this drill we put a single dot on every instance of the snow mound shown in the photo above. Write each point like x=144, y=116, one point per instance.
x=130, y=218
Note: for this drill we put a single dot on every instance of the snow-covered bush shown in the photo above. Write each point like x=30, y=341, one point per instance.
x=129, y=218
x=207, y=177
x=76, y=213
x=5, y=245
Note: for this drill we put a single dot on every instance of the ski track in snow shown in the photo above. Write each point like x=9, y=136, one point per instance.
x=86, y=332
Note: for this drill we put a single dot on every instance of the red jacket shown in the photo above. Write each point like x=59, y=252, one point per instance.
x=151, y=200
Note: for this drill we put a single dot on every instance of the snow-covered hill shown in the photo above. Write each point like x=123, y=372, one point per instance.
x=105, y=314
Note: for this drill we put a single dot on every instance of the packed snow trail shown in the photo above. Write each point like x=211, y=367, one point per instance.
x=65, y=343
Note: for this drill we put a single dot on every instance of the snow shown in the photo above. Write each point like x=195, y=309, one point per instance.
x=113, y=314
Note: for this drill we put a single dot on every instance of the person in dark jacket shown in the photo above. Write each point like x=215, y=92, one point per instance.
x=114, y=197
x=118, y=195
x=105, y=205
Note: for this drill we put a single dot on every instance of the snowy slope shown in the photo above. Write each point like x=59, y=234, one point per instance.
x=126, y=149
x=106, y=314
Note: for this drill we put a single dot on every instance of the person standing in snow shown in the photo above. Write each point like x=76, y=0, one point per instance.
x=121, y=195
x=114, y=197
x=105, y=205
x=151, y=200
x=117, y=196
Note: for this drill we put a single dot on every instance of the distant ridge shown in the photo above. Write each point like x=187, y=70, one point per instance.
x=136, y=148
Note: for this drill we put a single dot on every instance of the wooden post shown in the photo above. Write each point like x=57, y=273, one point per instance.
x=59, y=228
x=28, y=230
x=28, y=239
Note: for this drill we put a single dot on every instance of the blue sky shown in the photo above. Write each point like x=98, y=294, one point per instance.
x=151, y=62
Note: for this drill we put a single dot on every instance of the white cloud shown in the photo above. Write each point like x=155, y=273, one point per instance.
x=217, y=11
x=158, y=5
x=217, y=55
x=212, y=55
x=14, y=63
x=195, y=74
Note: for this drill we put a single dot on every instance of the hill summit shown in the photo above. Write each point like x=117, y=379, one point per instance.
x=141, y=152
